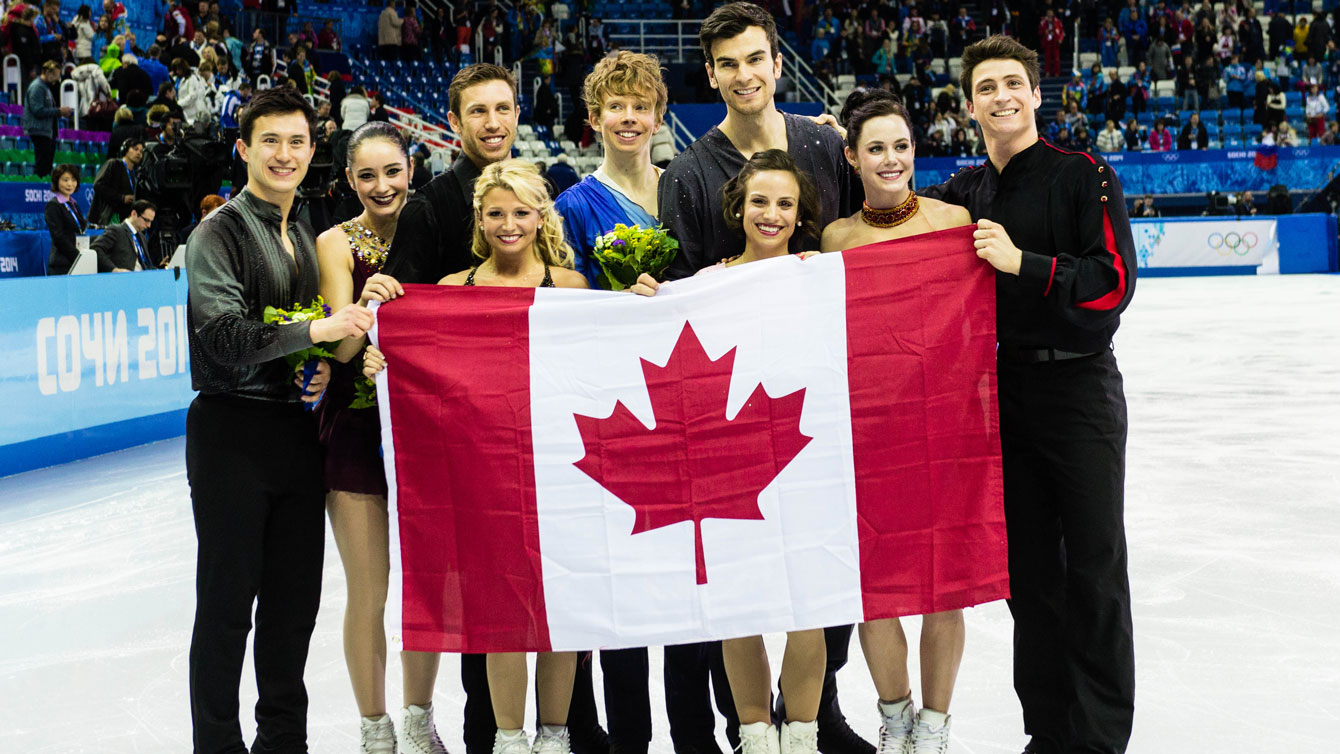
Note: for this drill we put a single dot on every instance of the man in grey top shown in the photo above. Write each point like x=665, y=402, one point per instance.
x=740, y=43
x=252, y=457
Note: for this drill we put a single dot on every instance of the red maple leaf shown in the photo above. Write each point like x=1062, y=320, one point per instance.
x=694, y=464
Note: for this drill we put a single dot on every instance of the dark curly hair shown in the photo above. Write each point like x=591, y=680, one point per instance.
x=733, y=192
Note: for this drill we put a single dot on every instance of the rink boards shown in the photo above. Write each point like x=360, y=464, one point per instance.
x=94, y=363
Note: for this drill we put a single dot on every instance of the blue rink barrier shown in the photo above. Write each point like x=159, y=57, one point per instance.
x=24, y=203
x=1261, y=244
x=94, y=363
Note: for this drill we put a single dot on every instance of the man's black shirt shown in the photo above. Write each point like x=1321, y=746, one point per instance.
x=433, y=236
x=1066, y=211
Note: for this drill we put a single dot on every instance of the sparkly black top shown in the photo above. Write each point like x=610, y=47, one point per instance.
x=689, y=194
x=434, y=232
x=236, y=266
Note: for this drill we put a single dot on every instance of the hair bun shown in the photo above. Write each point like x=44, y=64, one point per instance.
x=862, y=96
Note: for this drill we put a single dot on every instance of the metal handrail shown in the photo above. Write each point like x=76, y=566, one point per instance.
x=805, y=78
x=640, y=37
x=679, y=133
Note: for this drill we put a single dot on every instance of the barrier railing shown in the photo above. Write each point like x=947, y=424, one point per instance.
x=667, y=38
x=14, y=79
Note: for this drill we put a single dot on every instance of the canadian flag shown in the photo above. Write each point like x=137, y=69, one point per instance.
x=783, y=445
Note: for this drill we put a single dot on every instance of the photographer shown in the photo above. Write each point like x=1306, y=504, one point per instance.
x=114, y=188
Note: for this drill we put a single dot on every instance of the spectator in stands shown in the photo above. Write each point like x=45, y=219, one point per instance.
x=388, y=32
x=1332, y=135
x=884, y=59
x=335, y=94
x=1062, y=140
x=1057, y=126
x=1207, y=82
x=1315, y=110
x=197, y=94
x=23, y=39
x=41, y=114
x=377, y=108
x=411, y=36
x=114, y=188
x=327, y=39
x=355, y=109
x=1319, y=35
x=260, y=57
x=323, y=116
x=1051, y=33
x=153, y=66
x=1160, y=60
x=821, y=47
x=1073, y=117
x=1300, y=33
x=1136, y=33
x=1193, y=134
x=233, y=101
x=1115, y=106
x=226, y=78
x=1110, y=139
x=132, y=84
x=199, y=43
x=83, y=31
x=959, y=145
x=178, y=24
x=123, y=127
x=1135, y=140
x=51, y=32
x=65, y=220
x=422, y=174
x=1160, y=139
x=236, y=50
x=300, y=71
x=1096, y=100
x=1109, y=42
x=961, y=28
x=1276, y=103
x=1235, y=77
x=545, y=112
x=1280, y=33
x=1076, y=91
x=124, y=245
x=1081, y=141
x=1187, y=89
x=167, y=99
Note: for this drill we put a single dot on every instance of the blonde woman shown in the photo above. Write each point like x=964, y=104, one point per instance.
x=518, y=240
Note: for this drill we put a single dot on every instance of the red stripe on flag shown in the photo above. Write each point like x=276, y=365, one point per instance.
x=465, y=564
x=921, y=362
x=1110, y=300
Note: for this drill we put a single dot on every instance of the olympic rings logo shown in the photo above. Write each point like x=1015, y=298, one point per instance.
x=1232, y=243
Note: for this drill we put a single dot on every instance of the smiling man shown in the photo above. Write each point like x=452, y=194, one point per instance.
x=252, y=457
x=432, y=239
x=1054, y=225
x=739, y=43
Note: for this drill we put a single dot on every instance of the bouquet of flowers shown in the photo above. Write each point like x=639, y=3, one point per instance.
x=626, y=252
x=365, y=393
x=308, y=358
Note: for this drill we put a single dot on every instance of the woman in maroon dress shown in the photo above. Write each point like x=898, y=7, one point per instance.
x=351, y=255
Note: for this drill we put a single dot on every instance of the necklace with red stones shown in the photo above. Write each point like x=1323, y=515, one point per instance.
x=893, y=217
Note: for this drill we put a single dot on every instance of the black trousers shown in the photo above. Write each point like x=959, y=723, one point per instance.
x=260, y=526
x=44, y=153
x=689, y=668
x=1063, y=438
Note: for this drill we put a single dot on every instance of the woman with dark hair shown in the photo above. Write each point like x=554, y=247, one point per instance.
x=350, y=256
x=83, y=29
x=880, y=148
x=65, y=221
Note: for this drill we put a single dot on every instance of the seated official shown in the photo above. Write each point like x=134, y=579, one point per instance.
x=65, y=220
x=126, y=244
x=114, y=186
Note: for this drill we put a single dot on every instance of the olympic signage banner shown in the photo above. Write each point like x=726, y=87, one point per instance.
x=784, y=445
x=95, y=363
x=1204, y=242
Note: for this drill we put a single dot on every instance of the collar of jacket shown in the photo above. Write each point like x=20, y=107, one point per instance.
x=263, y=210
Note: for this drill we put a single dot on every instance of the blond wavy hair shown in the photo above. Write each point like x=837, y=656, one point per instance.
x=524, y=181
x=625, y=74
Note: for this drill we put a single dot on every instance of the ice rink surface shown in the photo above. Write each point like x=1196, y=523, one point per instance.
x=1232, y=515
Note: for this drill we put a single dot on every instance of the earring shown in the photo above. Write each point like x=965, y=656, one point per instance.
x=737, y=214
x=858, y=170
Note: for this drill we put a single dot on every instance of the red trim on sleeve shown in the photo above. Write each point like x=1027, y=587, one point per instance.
x=1110, y=300
x=1062, y=151
x=1050, y=278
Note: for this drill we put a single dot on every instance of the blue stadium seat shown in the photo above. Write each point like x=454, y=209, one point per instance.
x=1293, y=99
x=1293, y=113
x=1232, y=142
